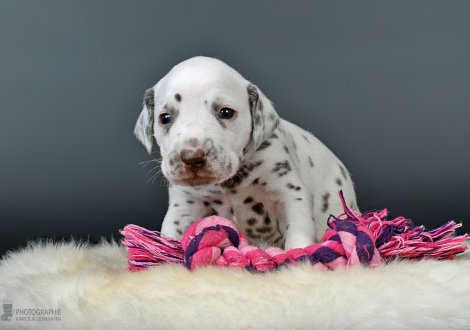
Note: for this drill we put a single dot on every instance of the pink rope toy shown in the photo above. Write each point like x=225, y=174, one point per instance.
x=368, y=239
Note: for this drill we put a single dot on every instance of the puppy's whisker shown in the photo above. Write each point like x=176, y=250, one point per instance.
x=152, y=179
x=155, y=168
x=146, y=162
x=149, y=180
x=157, y=171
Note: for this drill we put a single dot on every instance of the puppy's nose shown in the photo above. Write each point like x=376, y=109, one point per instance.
x=193, y=158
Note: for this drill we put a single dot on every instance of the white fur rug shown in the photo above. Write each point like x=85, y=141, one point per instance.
x=93, y=291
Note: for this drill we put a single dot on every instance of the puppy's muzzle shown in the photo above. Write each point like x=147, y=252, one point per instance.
x=193, y=159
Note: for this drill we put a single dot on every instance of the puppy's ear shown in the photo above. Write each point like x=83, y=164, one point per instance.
x=144, y=127
x=264, y=118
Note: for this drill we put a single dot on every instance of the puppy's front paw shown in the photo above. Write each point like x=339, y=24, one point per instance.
x=298, y=239
x=172, y=228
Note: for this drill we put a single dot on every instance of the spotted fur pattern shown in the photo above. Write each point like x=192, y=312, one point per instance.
x=276, y=181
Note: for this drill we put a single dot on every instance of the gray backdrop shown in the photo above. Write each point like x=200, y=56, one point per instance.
x=386, y=85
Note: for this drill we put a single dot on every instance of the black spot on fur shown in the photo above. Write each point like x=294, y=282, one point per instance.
x=233, y=191
x=248, y=200
x=258, y=208
x=277, y=240
x=343, y=172
x=213, y=212
x=251, y=221
x=231, y=210
x=286, y=149
x=249, y=233
x=250, y=167
x=178, y=97
x=272, y=116
x=306, y=139
x=291, y=186
x=206, y=203
x=176, y=222
x=268, y=237
x=339, y=182
x=255, y=181
x=264, y=145
x=298, y=199
x=179, y=231
x=325, y=205
x=274, y=136
x=310, y=161
x=276, y=124
x=190, y=202
x=235, y=180
x=264, y=184
x=176, y=205
x=264, y=229
x=242, y=173
x=267, y=220
x=282, y=168
x=218, y=201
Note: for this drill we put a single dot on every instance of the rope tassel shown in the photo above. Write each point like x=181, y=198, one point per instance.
x=368, y=239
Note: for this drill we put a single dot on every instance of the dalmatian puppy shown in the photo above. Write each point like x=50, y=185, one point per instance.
x=225, y=151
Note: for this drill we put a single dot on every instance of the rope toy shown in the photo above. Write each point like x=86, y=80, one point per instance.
x=368, y=239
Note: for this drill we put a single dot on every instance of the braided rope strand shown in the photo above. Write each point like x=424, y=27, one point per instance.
x=368, y=239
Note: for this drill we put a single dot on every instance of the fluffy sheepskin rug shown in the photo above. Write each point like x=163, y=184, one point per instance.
x=72, y=286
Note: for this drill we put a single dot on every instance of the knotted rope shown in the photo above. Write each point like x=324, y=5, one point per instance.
x=368, y=239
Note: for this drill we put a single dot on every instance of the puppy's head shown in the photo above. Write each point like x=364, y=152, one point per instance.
x=207, y=119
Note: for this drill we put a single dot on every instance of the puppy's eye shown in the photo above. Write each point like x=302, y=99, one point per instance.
x=165, y=118
x=226, y=113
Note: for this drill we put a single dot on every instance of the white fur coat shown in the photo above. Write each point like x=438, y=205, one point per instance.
x=93, y=291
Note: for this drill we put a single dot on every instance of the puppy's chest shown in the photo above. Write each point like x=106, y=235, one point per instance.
x=252, y=208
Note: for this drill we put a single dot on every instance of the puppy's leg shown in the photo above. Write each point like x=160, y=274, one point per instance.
x=299, y=223
x=183, y=210
x=295, y=211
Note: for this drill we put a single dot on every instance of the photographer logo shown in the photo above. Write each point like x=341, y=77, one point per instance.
x=30, y=314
